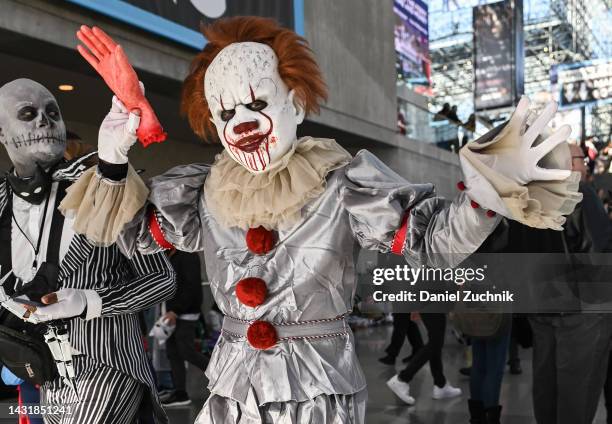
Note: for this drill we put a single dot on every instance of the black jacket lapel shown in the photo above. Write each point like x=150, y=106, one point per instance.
x=6, y=260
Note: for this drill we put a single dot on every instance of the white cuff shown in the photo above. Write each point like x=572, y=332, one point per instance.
x=94, y=304
x=480, y=190
x=114, y=155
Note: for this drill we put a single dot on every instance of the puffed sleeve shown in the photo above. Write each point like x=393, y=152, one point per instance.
x=389, y=214
x=140, y=217
x=171, y=216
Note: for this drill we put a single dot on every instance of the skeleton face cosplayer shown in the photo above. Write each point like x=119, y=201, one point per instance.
x=255, y=114
x=31, y=126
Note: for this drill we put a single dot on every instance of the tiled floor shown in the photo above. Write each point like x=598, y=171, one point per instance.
x=384, y=408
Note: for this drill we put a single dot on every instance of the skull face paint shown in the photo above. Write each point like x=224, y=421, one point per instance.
x=251, y=106
x=31, y=126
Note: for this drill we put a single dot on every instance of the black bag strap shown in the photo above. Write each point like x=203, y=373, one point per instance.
x=57, y=225
x=55, y=234
x=6, y=258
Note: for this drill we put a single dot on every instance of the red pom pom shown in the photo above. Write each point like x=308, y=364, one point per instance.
x=460, y=186
x=491, y=213
x=261, y=335
x=259, y=240
x=474, y=204
x=251, y=291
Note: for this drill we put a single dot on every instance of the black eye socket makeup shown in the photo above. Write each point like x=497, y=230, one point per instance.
x=27, y=113
x=226, y=115
x=257, y=105
x=53, y=112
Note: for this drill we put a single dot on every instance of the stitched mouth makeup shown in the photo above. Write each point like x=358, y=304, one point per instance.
x=30, y=139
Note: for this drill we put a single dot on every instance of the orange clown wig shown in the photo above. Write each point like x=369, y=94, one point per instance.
x=296, y=66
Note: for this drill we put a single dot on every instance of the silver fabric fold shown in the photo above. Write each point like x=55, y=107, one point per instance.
x=310, y=276
x=441, y=233
x=178, y=193
x=323, y=409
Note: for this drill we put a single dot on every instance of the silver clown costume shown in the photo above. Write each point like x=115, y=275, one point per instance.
x=311, y=374
x=280, y=245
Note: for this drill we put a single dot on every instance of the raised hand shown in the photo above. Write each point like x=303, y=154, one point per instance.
x=111, y=62
x=517, y=158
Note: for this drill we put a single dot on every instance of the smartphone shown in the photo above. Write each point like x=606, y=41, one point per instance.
x=28, y=302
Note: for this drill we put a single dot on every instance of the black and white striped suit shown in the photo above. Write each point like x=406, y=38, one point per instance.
x=113, y=360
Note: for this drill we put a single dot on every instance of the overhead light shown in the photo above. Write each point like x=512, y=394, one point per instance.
x=66, y=87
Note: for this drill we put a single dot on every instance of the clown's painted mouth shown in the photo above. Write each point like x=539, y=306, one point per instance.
x=251, y=143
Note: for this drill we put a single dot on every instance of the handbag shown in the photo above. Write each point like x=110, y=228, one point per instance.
x=23, y=349
x=26, y=354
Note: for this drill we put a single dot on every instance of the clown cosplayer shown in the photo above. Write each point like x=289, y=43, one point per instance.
x=279, y=219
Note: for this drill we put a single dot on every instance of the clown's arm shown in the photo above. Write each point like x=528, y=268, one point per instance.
x=170, y=217
x=389, y=214
x=513, y=171
x=160, y=215
x=111, y=203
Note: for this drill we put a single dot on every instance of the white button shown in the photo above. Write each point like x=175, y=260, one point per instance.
x=37, y=190
x=25, y=194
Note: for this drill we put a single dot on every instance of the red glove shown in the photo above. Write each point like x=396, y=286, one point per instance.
x=111, y=62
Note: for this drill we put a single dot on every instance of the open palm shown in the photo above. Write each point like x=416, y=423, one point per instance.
x=517, y=155
x=111, y=62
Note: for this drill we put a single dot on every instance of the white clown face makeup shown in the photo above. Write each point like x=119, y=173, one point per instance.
x=254, y=111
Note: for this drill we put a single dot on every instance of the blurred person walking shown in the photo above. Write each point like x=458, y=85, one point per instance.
x=442, y=114
x=403, y=326
x=490, y=335
x=432, y=353
x=184, y=313
x=570, y=348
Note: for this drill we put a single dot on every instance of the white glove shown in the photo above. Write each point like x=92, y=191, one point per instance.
x=518, y=159
x=118, y=132
x=70, y=303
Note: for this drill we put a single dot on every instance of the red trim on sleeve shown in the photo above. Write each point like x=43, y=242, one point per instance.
x=156, y=231
x=400, y=235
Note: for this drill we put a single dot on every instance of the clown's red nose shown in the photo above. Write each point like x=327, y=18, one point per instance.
x=246, y=127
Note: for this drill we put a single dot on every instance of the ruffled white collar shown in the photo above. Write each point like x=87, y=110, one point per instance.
x=238, y=198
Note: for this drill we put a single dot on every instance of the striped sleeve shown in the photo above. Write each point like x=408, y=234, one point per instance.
x=153, y=282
